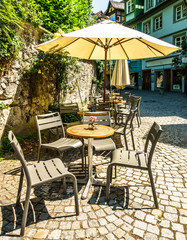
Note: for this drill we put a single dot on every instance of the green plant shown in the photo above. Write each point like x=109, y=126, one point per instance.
x=66, y=117
x=6, y=146
x=100, y=74
x=68, y=15
x=177, y=61
x=70, y=117
x=52, y=67
x=12, y=14
x=3, y=105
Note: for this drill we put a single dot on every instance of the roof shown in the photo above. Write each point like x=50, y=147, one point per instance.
x=117, y=5
x=99, y=13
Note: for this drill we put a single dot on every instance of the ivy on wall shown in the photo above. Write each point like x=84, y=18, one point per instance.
x=51, y=14
x=47, y=67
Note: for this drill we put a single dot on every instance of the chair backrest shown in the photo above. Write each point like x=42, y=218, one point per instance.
x=50, y=121
x=102, y=118
x=17, y=148
x=69, y=108
x=103, y=106
x=126, y=94
x=136, y=101
x=128, y=100
x=125, y=120
x=151, y=141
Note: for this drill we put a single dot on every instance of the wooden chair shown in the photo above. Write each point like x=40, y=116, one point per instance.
x=46, y=122
x=39, y=174
x=138, y=160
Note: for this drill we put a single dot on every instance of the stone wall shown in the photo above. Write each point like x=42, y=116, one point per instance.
x=27, y=99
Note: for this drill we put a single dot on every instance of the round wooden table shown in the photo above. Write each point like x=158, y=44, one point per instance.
x=82, y=131
x=115, y=93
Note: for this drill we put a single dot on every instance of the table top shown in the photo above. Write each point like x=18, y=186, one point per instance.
x=98, y=113
x=115, y=93
x=82, y=131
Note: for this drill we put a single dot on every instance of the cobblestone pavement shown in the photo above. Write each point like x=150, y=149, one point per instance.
x=130, y=214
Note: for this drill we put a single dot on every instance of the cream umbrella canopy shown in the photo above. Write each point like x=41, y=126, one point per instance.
x=108, y=40
x=120, y=76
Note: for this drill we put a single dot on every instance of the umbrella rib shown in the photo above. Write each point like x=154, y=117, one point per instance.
x=123, y=49
x=92, y=51
x=91, y=41
x=66, y=45
x=99, y=40
x=120, y=42
x=151, y=47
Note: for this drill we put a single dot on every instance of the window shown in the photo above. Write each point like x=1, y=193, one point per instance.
x=149, y=4
x=130, y=6
x=118, y=18
x=158, y=23
x=147, y=27
x=180, y=12
x=179, y=40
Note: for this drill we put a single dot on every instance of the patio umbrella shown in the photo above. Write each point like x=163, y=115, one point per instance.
x=120, y=76
x=108, y=40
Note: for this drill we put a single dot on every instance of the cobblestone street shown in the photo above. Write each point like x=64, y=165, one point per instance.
x=130, y=213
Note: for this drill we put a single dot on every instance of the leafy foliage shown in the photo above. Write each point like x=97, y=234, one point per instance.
x=6, y=147
x=52, y=66
x=27, y=10
x=65, y=14
x=177, y=61
x=100, y=74
x=3, y=106
x=9, y=42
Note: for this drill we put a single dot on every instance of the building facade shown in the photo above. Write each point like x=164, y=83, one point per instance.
x=115, y=11
x=163, y=19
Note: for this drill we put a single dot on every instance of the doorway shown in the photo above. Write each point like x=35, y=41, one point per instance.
x=146, y=83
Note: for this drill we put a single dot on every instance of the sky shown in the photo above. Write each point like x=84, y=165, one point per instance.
x=100, y=5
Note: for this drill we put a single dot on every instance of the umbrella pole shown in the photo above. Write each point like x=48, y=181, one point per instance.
x=105, y=75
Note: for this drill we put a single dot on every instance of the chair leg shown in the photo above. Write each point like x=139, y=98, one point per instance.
x=115, y=166
x=75, y=194
x=20, y=187
x=109, y=180
x=82, y=154
x=25, y=212
x=153, y=188
x=139, y=117
x=64, y=184
x=132, y=137
x=84, y=161
x=126, y=145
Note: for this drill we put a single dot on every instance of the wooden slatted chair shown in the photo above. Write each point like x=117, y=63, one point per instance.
x=39, y=174
x=46, y=122
x=137, y=160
